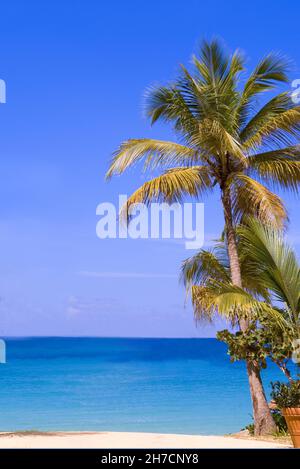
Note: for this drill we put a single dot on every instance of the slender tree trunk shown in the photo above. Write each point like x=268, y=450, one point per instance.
x=263, y=420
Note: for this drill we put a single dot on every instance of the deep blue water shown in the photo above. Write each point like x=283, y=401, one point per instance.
x=153, y=385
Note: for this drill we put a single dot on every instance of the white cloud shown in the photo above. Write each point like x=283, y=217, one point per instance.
x=93, y=274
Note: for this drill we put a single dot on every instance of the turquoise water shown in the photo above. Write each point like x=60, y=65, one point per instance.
x=153, y=385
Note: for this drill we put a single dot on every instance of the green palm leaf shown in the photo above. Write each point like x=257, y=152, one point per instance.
x=205, y=265
x=265, y=247
x=155, y=152
x=171, y=187
x=279, y=168
x=253, y=198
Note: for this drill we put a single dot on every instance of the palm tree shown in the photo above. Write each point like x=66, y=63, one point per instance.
x=270, y=294
x=207, y=277
x=224, y=141
x=270, y=278
x=269, y=299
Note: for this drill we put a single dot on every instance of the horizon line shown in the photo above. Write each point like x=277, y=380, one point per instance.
x=97, y=337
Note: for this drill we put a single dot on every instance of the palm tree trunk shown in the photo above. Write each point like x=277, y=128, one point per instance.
x=263, y=420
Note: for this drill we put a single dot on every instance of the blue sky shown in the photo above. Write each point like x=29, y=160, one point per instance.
x=76, y=72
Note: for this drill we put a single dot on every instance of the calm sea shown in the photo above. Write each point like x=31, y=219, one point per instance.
x=147, y=385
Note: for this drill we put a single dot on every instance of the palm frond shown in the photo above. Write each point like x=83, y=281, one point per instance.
x=171, y=187
x=205, y=265
x=232, y=301
x=166, y=103
x=281, y=168
x=203, y=303
x=276, y=124
x=254, y=199
x=215, y=139
x=217, y=75
x=272, y=108
x=155, y=152
x=213, y=265
x=213, y=62
x=267, y=250
x=270, y=71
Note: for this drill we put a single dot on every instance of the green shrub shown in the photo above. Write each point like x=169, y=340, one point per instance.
x=280, y=422
x=250, y=428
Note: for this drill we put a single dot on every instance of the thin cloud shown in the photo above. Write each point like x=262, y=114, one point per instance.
x=93, y=274
x=94, y=306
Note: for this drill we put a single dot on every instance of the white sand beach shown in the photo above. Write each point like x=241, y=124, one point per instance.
x=127, y=440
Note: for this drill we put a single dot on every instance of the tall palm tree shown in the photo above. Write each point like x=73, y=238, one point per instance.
x=225, y=141
x=207, y=278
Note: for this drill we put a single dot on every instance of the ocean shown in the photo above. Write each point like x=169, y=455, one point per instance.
x=183, y=386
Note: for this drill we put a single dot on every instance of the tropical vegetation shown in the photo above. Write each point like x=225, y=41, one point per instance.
x=269, y=299
x=286, y=395
x=225, y=141
x=270, y=271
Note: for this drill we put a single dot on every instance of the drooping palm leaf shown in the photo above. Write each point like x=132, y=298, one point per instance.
x=155, y=152
x=205, y=265
x=279, y=268
x=253, y=198
x=278, y=167
x=270, y=71
x=171, y=187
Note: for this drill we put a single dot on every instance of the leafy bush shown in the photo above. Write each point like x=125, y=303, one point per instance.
x=280, y=422
x=258, y=344
x=250, y=428
x=286, y=395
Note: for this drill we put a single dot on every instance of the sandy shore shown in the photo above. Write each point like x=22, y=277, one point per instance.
x=126, y=440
